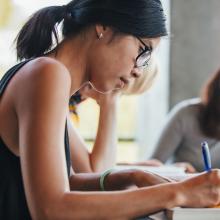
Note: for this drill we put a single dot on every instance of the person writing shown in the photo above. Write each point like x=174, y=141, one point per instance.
x=189, y=123
x=105, y=43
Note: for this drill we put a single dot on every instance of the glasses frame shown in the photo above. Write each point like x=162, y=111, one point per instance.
x=146, y=49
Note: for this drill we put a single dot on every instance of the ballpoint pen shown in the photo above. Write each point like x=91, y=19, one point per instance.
x=206, y=156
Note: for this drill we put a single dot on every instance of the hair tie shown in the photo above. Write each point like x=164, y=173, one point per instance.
x=65, y=11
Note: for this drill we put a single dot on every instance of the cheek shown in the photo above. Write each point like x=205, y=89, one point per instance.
x=122, y=61
x=126, y=55
x=112, y=62
x=108, y=66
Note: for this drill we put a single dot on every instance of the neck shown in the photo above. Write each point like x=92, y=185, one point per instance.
x=73, y=54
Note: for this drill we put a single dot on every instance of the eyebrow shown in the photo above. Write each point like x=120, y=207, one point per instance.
x=145, y=45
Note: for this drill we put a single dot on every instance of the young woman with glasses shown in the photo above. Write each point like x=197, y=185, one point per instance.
x=105, y=44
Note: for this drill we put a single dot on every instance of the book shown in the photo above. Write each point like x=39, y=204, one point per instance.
x=193, y=214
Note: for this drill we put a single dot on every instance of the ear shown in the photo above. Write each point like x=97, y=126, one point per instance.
x=102, y=31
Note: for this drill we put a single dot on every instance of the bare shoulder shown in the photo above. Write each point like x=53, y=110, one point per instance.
x=45, y=67
x=42, y=79
x=43, y=74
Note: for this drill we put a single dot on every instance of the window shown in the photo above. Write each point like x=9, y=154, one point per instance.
x=127, y=147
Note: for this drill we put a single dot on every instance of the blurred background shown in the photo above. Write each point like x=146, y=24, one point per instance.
x=186, y=59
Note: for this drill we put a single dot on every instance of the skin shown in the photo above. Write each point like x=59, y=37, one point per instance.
x=33, y=111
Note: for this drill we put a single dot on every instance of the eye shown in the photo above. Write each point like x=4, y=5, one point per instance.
x=141, y=50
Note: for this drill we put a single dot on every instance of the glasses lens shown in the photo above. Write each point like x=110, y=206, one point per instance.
x=143, y=59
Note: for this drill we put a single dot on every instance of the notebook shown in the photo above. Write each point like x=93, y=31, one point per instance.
x=167, y=170
x=193, y=214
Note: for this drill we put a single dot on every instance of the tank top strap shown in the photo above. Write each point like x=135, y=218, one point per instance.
x=67, y=150
x=9, y=74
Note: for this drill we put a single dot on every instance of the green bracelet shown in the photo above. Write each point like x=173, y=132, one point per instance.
x=102, y=178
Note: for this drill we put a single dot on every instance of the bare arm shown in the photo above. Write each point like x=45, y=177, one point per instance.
x=116, y=180
x=103, y=154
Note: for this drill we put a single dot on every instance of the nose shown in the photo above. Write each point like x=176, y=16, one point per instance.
x=136, y=72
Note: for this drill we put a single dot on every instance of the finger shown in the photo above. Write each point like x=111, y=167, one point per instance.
x=190, y=168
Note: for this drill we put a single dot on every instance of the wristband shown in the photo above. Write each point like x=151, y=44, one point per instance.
x=102, y=178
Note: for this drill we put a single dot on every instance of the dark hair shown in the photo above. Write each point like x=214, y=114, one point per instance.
x=209, y=117
x=141, y=18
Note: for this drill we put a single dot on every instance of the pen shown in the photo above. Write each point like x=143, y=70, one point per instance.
x=206, y=156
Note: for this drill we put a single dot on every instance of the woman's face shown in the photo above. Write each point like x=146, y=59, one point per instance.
x=113, y=60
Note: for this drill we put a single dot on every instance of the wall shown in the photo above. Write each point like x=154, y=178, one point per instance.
x=195, y=46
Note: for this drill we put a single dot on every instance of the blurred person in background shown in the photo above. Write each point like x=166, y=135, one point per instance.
x=188, y=124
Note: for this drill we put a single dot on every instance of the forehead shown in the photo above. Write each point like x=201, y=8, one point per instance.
x=152, y=42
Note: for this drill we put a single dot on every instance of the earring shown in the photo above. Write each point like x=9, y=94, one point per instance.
x=101, y=36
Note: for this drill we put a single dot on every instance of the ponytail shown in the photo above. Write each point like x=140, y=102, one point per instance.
x=140, y=18
x=36, y=36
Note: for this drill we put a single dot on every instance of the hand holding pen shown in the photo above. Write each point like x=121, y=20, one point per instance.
x=206, y=156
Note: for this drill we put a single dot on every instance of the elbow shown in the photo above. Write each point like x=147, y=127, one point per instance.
x=96, y=168
x=97, y=165
x=64, y=208
x=50, y=210
x=45, y=213
x=93, y=165
x=50, y=214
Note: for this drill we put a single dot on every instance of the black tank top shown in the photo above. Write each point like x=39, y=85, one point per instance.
x=13, y=204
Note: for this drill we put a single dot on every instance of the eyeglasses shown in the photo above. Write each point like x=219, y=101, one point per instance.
x=143, y=58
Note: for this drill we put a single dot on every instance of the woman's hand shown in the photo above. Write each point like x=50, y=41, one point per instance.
x=200, y=191
x=142, y=179
x=122, y=179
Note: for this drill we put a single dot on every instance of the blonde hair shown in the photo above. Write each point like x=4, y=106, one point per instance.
x=145, y=81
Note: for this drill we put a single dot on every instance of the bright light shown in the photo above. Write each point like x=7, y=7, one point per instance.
x=38, y=3
x=30, y=6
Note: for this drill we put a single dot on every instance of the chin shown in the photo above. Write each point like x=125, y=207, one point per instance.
x=108, y=87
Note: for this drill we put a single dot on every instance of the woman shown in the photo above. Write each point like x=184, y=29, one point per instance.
x=105, y=43
x=190, y=123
